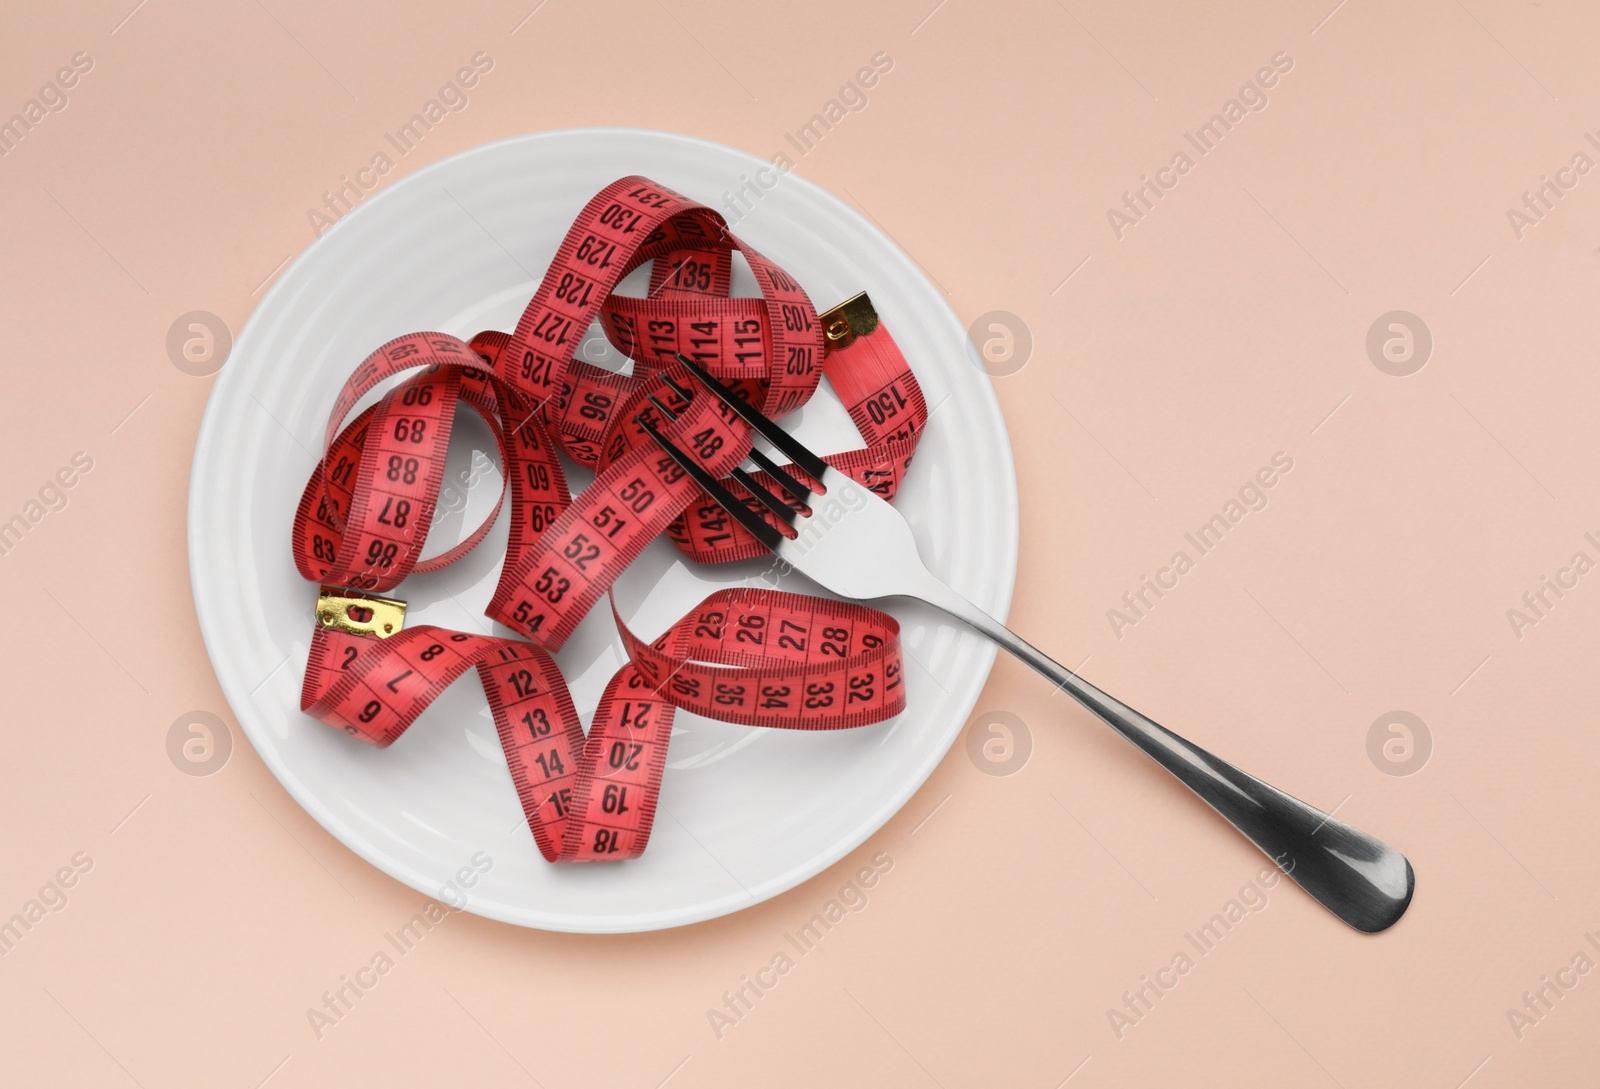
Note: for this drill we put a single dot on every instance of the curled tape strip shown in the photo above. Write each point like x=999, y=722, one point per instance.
x=752, y=656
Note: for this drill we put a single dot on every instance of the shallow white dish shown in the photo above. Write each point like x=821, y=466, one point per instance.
x=745, y=814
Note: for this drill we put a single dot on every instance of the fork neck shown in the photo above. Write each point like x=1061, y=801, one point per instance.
x=926, y=587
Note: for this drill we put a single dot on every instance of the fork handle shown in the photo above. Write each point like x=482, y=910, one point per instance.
x=1359, y=878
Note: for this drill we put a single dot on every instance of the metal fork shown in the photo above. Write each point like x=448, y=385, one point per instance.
x=850, y=541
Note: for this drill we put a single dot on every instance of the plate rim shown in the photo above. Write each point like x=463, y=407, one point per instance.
x=348, y=837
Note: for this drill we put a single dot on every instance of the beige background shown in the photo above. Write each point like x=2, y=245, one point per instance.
x=1167, y=367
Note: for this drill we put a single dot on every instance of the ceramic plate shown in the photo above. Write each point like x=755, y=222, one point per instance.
x=745, y=813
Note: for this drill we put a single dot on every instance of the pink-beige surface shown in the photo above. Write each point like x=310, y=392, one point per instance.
x=1351, y=250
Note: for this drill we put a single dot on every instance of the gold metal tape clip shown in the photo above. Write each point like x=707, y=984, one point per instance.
x=357, y=614
x=852, y=318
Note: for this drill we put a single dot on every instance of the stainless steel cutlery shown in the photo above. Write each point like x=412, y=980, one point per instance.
x=848, y=540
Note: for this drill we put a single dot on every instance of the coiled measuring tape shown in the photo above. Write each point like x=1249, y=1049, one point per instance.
x=752, y=656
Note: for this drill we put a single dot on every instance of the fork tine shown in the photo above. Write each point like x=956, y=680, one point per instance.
x=665, y=411
x=686, y=394
x=799, y=491
x=766, y=498
x=758, y=526
x=808, y=462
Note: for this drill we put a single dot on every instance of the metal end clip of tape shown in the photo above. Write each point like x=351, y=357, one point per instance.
x=358, y=614
x=855, y=317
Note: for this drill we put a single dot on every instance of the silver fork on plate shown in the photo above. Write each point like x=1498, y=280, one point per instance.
x=858, y=546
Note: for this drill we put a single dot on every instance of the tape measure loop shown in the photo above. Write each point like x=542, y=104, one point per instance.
x=755, y=656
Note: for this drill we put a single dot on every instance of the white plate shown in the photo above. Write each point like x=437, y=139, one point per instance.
x=745, y=814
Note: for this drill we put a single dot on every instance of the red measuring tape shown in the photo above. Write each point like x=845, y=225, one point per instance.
x=752, y=656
